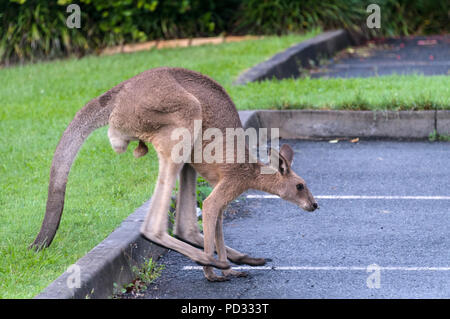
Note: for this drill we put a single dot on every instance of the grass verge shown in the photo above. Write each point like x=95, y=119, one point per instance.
x=396, y=92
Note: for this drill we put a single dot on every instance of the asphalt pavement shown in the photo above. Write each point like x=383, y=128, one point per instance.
x=404, y=55
x=382, y=230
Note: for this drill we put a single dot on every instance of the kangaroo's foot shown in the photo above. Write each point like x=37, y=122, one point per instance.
x=196, y=255
x=236, y=257
x=234, y=273
x=247, y=260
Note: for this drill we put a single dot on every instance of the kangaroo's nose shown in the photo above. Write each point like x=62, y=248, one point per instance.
x=315, y=205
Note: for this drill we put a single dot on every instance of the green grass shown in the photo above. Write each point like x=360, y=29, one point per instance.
x=37, y=101
x=396, y=92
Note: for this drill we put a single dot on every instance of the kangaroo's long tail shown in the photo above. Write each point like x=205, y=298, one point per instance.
x=92, y=116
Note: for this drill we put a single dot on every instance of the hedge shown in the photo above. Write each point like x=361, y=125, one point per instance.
x=36, y=29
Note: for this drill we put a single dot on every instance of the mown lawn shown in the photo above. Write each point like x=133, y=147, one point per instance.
x=396, y=92
x=38, y=101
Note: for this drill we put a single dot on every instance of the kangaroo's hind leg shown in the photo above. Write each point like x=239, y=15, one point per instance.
x=155, y=224
x=186, y=227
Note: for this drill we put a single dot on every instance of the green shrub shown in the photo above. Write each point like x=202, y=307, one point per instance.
x=398, y=17
x=404, y=17
x=283, y=16
x=36, y=29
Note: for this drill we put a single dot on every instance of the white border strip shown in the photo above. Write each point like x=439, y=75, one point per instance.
x=357, y=197
x=327, y=268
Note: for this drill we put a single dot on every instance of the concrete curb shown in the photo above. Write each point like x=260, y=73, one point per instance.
x=312, y=124
x=443, y=123
x=109, y=263
x=287, y=63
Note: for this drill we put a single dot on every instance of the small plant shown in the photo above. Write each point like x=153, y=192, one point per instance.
x=434, y=136
x=444, y=138
x=149, y=272
x=145, y=275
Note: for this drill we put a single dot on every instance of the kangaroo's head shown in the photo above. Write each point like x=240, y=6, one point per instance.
x=291, y=187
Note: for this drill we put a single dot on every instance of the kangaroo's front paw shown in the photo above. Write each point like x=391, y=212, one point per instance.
x=211, y=276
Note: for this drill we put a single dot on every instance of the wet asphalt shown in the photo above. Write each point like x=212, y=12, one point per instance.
x=403, y=55
x=327, y=253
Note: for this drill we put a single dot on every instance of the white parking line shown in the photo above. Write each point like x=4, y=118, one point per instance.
x=327, y=268
x=358, y=197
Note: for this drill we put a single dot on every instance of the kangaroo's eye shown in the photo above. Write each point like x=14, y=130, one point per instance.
x=300, y=187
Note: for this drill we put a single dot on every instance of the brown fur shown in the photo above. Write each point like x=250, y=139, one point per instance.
x=148, y=107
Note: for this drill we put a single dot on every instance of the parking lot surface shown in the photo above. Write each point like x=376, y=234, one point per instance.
x=382, y=230
x=407, y=55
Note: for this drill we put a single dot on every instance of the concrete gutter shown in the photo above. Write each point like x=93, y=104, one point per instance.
x=317, y=124
x=107, y=264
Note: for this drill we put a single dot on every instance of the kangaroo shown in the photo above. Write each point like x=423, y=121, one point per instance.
x=147, y=108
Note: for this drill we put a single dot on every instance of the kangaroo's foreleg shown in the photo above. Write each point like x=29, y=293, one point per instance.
x=186, y=227
x=222, y=250
x=155, y=224
x=212, y=210
x=213, y=207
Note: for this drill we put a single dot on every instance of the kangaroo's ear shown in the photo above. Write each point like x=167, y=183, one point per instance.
x=287, y=152
x=279, y=162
